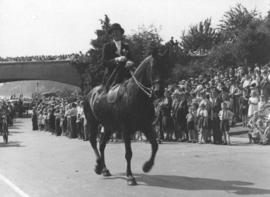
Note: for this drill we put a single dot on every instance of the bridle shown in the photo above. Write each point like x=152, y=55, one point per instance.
x=149, y=91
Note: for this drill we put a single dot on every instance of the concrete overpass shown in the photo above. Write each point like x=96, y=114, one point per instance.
x=60, y=71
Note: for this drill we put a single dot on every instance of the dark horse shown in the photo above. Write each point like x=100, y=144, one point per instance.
x=131, y=111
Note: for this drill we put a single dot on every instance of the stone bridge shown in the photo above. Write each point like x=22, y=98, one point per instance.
x=60, y=71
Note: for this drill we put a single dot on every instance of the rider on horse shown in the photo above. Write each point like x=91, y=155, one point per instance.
x=116, y=58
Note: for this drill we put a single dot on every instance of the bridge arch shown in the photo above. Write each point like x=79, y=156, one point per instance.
x=59, y=71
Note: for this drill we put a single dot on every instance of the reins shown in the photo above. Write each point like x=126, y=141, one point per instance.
x=146, y=90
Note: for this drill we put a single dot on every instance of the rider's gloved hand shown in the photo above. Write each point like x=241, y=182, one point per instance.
x=120, y=59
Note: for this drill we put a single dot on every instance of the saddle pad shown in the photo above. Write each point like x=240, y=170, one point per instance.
x=113, y=94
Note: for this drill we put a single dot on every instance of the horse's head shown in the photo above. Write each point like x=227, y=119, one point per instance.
x=158, y=71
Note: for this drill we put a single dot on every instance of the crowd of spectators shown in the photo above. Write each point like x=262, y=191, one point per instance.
x=36, y=58
x=199, y=109
x=60, y=116
x=202, y=109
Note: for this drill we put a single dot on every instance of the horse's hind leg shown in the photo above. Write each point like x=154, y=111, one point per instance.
x=105, y=138
x=93, y=142
x=151, y=136
x=93, y=132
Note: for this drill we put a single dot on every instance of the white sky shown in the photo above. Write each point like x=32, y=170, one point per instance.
x=36, y=27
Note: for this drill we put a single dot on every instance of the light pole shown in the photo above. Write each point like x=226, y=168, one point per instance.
x=37, y=87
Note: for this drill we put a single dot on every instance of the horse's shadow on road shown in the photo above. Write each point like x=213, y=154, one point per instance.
x=195, y=183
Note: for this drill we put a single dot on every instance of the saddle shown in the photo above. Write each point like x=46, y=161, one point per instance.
x=112, y=95
x=99, y=92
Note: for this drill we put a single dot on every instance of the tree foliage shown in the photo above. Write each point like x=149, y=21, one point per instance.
x=200, y=38
x=95, y=68
x=236, y=20
x=101, y=39
x=245, y=38
x=142, y=41
x=242, y=38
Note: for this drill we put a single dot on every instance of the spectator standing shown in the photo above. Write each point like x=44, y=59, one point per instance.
x=63, y=121
x=47, y=127
x=68, y=117
x=52, y=121
x=166, y=119
x=202, y=115
x=246, y=81
x=225, y=116
x=265, y=84
x=40, y=127
x=80, y=120
x=73, y=117
x=253, y=103
x=191, y=125
x=261, y=103
x=244, y=108
x=235, y=93
x=207, y=103
x=215, y=122
x=182, y=111
x=57, y=122
x=175, y=104
x=35, y=120
x=43, y=120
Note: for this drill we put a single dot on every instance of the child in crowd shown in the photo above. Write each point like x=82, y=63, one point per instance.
x=43, y=119
x=40, y=126
x=191, y=125
x=243, y=101
x=195, y=107
x=225, y=116
x=261, y=103
x=202, y=115
x=256, y=132
x=253, y=103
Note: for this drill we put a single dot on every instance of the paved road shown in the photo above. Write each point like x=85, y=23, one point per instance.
x=37, y=164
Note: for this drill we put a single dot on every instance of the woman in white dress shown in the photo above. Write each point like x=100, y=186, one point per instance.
x=253, y=103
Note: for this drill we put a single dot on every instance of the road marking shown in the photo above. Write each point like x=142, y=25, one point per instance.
x=13, y=186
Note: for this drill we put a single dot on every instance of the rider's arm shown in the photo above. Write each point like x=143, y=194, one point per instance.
x=107, y=59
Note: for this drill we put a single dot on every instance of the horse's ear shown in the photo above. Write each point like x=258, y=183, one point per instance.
x=154, y=53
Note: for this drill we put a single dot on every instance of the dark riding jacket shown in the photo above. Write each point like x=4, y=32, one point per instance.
x=111, y=66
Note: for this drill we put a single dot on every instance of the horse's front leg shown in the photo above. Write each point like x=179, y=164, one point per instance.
x=151, y=136
x=105, y=138
x=130, y=179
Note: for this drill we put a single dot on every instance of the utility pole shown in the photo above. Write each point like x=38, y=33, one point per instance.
x=37, y=87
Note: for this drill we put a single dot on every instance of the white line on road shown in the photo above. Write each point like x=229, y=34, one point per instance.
x=13, y=186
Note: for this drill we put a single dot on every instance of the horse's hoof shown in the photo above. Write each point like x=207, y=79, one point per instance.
x=131, y=181
x=98, y=169
x=147, y=166
x=106, y=173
